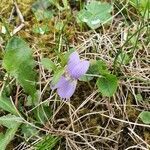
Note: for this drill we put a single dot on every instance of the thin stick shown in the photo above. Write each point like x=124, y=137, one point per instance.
x=21, y=19
x=19, y=12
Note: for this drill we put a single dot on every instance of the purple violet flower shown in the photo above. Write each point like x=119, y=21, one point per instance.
x=75, y=69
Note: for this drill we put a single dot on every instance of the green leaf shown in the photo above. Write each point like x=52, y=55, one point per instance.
x=139, y=97
x=65, y=57
x=43, y=15
x=58, y=73
x=43, y=29
x=47, y=143
x=42, y=114
x=94, y=14
x=28, y=131
x=19, y=63
x=140, y=4
x=40, y=10
x=8, y=136
x=86, y=78
x=48, y=64
x=123, y=58
x=145, y=117
x=10, y=121
x=98, y=67
x=6, y=104
x=41, y=4
x=107, y=85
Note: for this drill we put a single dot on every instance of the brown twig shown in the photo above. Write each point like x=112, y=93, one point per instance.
x=17, y=29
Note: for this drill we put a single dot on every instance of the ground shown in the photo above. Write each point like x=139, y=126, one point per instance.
x=89, y=120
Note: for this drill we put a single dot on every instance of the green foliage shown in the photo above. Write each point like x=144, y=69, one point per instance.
x=19, y=63
x=145, y=117
x=48, y=64
x=64, y=57
x=98, y=67
x=57, y=74
x=43, y=29
x=59, y=25
x=43, y=15
x=9, y=135
x=123, y=58
x=107, y=84
x=40, y=10
x=47, y=143
x=6, y=104
x=41, y=4
x=42, y=113
x=139, y=97
x=143, y=7
x=45, y=4
x=94, y=14
x=12, y=123
x=28, y=131
x=86, y=78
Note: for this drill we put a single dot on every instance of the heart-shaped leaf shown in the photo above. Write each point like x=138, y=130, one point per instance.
x=94, y=14
x=98, y=67
x=107, y=84
x=145, y=117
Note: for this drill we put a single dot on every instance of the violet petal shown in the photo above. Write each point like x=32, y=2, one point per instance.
x=74, y=59
x=66, y=87
x=79, y=69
